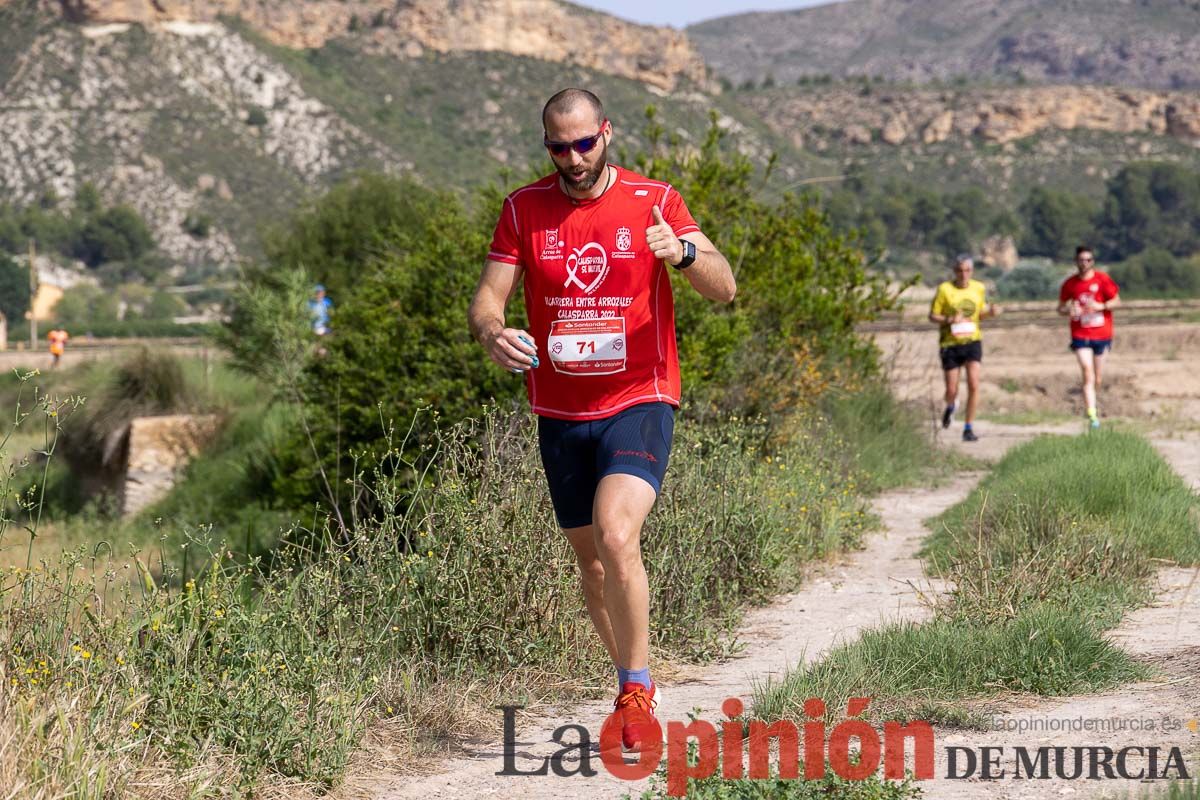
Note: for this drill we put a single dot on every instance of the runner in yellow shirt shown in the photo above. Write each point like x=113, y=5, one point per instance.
x=957, y=308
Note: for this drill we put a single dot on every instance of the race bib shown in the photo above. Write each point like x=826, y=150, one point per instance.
x=587, y=346
x=962, y=330
x=1092, y=319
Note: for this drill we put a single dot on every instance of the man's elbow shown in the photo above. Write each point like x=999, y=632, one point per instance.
x=726, y=293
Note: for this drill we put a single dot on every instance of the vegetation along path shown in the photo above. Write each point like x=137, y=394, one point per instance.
x=882, y=583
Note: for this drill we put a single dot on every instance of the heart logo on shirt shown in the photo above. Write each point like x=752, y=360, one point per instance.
x=589, y=261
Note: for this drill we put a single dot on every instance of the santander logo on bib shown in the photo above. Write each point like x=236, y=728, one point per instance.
x=584, y=263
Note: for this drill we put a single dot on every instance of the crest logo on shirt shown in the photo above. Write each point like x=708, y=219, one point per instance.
x=552, y=247
x=624, y=239
x=587, y=262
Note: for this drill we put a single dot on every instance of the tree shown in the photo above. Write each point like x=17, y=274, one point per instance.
x=1158, y=273
x=14, y=289
x=1152, y=204
x=116, y=234
x=339, y=235
x=401, y=263
x=1055, y=222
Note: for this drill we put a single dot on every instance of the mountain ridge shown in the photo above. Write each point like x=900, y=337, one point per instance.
x=1146, y=43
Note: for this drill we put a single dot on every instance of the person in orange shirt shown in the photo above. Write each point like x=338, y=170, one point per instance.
x=58, y=345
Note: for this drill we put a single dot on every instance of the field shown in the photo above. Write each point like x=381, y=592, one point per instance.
x=1029, y=375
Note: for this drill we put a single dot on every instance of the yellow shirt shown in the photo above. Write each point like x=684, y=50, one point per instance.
x=970, y=302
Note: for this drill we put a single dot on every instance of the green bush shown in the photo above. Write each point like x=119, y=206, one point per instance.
x=1055, y=223
x=401, y=263
x=1028, y=281
x=1157, y=273
x=14, y=289
x=1152, y=205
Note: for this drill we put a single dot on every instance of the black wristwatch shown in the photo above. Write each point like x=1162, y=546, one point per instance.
x=689, y=255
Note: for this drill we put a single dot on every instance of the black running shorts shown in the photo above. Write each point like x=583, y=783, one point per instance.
x=956, y=355
x=576, y=455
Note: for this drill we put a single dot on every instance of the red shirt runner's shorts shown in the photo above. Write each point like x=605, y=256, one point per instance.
x=599, y=302
x=1090, y=325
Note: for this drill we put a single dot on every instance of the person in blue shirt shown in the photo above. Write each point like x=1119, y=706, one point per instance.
x=319, y=307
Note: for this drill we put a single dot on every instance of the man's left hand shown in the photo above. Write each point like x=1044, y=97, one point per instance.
x=662, y=240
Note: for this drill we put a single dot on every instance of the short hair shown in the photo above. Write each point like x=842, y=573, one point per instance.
x=963, y=257
x=568, y=100
x=1083, y=248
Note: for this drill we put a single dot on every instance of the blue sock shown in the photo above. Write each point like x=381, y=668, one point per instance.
x=625, y=676
x=967, y=427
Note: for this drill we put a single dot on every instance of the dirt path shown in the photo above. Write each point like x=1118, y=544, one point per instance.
x=871, y=587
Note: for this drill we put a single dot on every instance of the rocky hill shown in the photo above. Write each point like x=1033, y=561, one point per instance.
x=237, y=110
x=1149, y=43
x=535, y=28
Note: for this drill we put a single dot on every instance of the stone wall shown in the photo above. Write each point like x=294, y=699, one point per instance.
x=159, y=448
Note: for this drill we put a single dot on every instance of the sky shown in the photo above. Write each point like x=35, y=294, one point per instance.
x=680, y=13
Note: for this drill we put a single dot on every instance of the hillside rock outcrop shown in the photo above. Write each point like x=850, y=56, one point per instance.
x=545, y=29
x=998, y=116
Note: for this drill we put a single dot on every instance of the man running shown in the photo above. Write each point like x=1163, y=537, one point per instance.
x=957, y=307
x=58, y=345
x=592, y=242
x=1088, y=298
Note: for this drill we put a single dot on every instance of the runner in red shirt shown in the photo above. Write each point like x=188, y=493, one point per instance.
x=591, y=242
x=1088, y=298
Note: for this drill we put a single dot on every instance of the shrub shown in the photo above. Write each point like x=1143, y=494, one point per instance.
x=401, y=263
x=1029, y=281
x=14, y=289
x=1157, y=273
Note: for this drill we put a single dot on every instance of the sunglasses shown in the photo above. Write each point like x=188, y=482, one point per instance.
x=581, y=146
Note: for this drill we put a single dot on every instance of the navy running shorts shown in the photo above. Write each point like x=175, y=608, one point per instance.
x=576, y=455
x=1097, y=346
x=955, y=355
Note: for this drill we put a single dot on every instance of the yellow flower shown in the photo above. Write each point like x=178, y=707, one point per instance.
x=86, y=654
x=429, y=554
x=218, y=613
x=135, y=725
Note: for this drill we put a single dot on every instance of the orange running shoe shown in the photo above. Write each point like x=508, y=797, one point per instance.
x=634, y=712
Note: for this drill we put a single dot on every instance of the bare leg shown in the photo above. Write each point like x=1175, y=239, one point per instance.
x=591, y=574
x=951, y=376
x=973, y=369
x=1087, y=368
x=618, y=512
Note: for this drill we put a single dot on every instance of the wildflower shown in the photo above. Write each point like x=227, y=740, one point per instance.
x=429, y=554
x=218, y=613
x=86, y=654
x=135, y=725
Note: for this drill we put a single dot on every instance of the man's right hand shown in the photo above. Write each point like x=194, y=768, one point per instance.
x=512, y=349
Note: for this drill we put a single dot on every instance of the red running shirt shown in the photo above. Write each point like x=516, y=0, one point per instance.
x=1091, y=325
x=599, y=302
